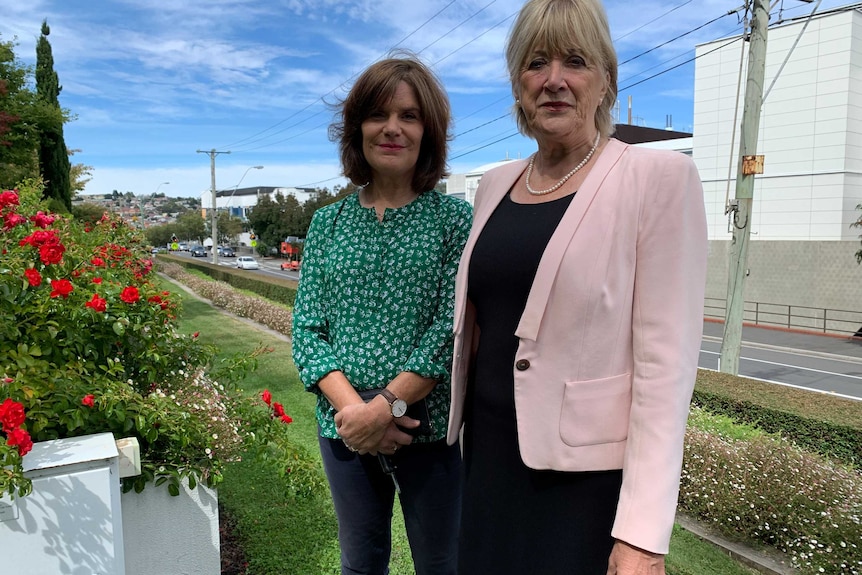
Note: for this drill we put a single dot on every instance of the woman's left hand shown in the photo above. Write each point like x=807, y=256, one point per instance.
x=362, y=425
x=628, y=560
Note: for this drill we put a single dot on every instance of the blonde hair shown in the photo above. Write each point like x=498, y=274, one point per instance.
x=558, y=26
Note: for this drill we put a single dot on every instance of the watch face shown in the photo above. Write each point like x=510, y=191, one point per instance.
x=399, y=407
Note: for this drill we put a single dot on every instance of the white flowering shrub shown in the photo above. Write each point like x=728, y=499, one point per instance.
x=763, y=488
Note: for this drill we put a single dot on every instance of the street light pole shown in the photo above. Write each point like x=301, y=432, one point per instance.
x=214, y=219
x=153, y=195
x=230, y=199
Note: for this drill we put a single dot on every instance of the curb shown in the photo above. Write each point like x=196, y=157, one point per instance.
x=764, y=561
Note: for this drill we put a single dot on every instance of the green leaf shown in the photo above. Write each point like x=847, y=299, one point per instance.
x=118, y=328
x=173, y=489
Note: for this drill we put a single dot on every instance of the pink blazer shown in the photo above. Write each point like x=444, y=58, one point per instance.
x=611, y=331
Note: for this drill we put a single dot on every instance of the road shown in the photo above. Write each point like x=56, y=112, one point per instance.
x=818, y=362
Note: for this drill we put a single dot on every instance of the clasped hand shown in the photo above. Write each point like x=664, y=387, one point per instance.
x=370, y=428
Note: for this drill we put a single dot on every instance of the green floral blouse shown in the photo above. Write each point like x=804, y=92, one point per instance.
x=376, y=298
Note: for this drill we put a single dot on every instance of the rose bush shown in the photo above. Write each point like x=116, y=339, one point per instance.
x=88, y=344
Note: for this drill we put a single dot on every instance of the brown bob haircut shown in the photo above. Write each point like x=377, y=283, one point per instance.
x=373, y=90
x=557, y=27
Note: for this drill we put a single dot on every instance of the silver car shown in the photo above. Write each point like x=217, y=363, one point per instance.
x=247, y=263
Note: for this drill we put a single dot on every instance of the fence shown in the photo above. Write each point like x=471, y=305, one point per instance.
x=824, y=320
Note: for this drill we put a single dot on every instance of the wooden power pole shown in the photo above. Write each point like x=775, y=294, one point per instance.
x=214, y=216
x=740, y=207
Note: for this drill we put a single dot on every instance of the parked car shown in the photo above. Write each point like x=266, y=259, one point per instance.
x=291, y=266
x=198, y=252
x=226, y=251
x=247, y=263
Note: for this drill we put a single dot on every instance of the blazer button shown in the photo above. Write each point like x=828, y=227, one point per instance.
x=522, y=365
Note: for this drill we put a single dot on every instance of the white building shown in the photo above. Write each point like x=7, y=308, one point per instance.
x=464, y=185
x=802, y=250
x=810, y=129
x=240, y=201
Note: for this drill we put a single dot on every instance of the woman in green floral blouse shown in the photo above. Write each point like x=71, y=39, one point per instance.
x=374, y=311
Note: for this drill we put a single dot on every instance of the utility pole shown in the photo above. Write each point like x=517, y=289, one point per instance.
x=740, y=207
x=214, y=218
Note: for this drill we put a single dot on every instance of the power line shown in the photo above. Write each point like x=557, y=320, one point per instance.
x=678, y=37
x=467, y=153
x=473, y=15
x=321, y=98
x=657, y=18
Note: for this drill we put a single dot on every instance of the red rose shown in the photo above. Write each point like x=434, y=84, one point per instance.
x=97, y=280
x=51, y=253
x=266, y=396
x=130, y=294
x=286, y=418
x=278, y=409
x=20, y=438
x=33, y=277
x=42, y=220
x=40, y=237
x=98, y=262
x=11, y=415
x=89, y=400
x=61, y=288
x=8, y=380
x=196, y=334
x=11, y=220
x=157, y=300
x=8, y=198
x=97, y=303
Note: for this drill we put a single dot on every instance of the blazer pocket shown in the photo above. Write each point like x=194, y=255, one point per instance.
x=596, y=411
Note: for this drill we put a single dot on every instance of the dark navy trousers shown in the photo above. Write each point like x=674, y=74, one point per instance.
x=429, y=475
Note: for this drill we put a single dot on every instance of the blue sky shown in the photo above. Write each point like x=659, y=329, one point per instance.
x=152, y=81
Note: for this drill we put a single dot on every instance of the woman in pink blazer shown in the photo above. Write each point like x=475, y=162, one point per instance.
x=578, y=316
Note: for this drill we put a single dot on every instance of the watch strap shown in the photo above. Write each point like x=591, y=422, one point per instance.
x=389, y=396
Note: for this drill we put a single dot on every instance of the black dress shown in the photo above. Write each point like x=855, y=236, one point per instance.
x=514, y=519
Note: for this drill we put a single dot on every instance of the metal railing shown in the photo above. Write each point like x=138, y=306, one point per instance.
x=823, y=320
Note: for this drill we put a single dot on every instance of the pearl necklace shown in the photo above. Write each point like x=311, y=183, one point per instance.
x=566, y=177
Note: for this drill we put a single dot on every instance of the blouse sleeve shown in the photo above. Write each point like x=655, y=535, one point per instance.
x=312, y=352
x=432, y=357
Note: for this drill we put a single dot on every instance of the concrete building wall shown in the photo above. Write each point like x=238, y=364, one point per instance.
x=822, y=275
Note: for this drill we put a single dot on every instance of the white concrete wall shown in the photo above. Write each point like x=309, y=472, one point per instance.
x=810, y=131
x=167, y=535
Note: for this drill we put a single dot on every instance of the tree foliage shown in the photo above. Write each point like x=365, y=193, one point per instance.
x=79, y=174
x=273, y=220
x=88, y=212
x=191, y=227
x=858, y=224
x=23, y=115
x=53, y=155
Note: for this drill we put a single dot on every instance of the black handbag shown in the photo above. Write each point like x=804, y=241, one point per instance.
x=418, y=410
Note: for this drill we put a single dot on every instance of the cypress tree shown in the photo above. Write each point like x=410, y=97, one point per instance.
x=53, y=156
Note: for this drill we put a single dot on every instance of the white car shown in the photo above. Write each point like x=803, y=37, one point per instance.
x=247, y=263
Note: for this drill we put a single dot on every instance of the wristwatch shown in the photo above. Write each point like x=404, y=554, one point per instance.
x=398, y=407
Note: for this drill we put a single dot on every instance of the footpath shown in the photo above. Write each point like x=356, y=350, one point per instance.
x=809, y=343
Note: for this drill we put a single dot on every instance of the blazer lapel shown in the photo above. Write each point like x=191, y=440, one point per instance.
x=531, y=320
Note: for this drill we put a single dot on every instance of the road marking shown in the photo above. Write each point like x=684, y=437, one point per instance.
x=789, y=365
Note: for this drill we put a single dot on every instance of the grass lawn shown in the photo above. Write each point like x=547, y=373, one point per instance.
x=285, y=534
